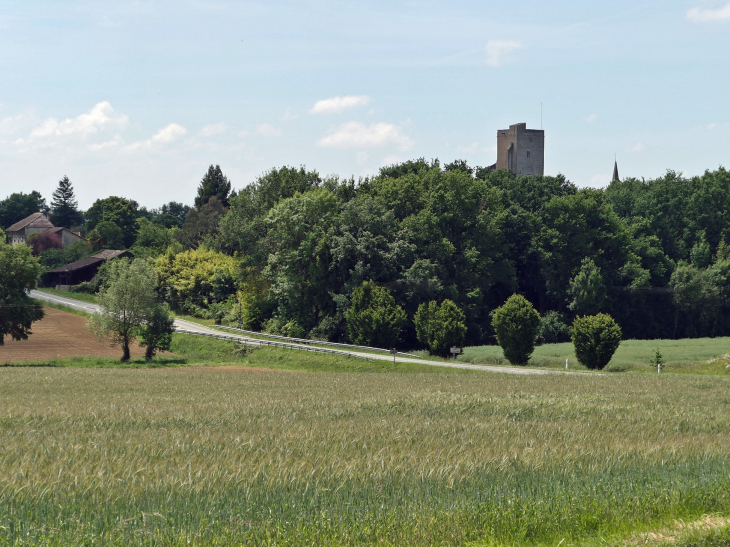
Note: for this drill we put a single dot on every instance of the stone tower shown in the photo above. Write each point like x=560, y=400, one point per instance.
x=521, y=150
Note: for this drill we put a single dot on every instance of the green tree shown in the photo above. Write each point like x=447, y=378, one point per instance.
x=156, y=333
x=152, y=239
x=595, y=339
x=244, y=228
x=440, y=327
x=199, y=277
x=125, y=303
x=517, y=325
x=214, y=183
x=120, y=211
x=64, y=207
x=374, y=319
x=18, y=206
x=175, y=209
x=553, y=329
x=697, y=297
x=106, y=235
x=19, y=270
x=298, y=265
x=587, y=289
x=576, y=227
x=201, y=225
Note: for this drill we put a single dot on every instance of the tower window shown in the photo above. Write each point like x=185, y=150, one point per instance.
x=528, y=152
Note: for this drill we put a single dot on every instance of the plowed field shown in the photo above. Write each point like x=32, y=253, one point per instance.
x=59, y=335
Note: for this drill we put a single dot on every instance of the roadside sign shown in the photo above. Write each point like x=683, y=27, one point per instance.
x=455, y=350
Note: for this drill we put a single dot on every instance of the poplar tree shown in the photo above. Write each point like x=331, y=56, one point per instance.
x=64, y=207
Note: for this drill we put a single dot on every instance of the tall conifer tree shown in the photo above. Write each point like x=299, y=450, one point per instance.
x=214, y=183
x=64, y=208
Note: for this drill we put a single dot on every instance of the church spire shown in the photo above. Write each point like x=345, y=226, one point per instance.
x=615, y=172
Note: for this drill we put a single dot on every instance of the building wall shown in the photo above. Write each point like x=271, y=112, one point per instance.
x=16, y=238
x=68, y=237
x=527, y=153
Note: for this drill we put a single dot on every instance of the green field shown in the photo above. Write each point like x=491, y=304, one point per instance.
x=632, y=355
x=84, y=297
x=201, y=455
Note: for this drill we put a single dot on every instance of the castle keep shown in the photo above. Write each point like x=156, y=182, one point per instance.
x=521, y=150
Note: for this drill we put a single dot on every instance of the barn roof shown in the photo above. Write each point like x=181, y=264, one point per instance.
x=78, y=265
x=36, y=220
x=92, y=260
x=108, y=254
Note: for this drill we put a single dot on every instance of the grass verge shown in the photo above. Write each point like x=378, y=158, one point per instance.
x=681, y=356
x=84, y=297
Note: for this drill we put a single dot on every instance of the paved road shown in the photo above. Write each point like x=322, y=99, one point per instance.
x=195, y=327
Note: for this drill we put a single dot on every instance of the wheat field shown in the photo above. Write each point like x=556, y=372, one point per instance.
x=216, y=455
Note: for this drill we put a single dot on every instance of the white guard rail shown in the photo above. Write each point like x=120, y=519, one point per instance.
x=318, y=342
x=254, y=341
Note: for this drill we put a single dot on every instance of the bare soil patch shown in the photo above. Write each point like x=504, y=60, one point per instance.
x=59, y=335
x=239, y=368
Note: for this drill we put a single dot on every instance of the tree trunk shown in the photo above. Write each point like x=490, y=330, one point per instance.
x=149, y=353
x=125, y=349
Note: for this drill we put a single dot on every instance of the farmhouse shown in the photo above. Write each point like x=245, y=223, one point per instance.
x=20, y=232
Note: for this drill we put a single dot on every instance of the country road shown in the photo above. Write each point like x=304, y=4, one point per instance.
x=195, y=327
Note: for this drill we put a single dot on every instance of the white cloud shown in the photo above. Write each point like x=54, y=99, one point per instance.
x=100, y=116
x=590, y=118
x=711, y=126
x=702, y=15
x=11, y=125
x=359, y=135
x=116, y=141
x=362, y=157
x=288, y=114
x=335, y=105
x=213, y=129
x=166, y=135
x=266, y=130
x=638, y=147
x=169, y=133
x=497, y=49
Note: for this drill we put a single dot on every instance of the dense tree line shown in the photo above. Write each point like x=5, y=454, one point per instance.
x=652, y=253
x=287, y=252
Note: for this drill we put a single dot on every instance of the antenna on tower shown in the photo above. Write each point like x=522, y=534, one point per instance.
x=541, y=116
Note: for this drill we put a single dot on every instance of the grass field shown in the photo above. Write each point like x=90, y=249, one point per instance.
x=189, y=350
x=84, y=297
x=200, y=455
x=688, y=355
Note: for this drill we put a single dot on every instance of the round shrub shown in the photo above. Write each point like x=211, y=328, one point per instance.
x=517, y=324
x=595, y=338
x=374, y=319
x=440, y=327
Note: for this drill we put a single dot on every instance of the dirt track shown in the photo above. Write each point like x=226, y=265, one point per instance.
x=59, y=335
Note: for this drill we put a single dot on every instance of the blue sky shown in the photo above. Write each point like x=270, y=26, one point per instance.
x=138, y=98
